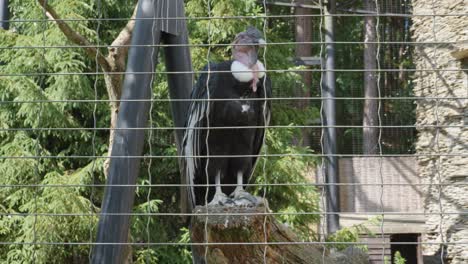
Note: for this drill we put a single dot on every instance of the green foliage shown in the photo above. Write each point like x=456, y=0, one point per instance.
x=398, y=259
x=288, y=170
x=167, y=254
x=351, y=234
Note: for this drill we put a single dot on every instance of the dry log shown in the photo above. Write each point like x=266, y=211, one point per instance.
x=244, y=230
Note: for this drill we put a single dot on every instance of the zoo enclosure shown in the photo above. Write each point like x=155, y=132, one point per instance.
x=396, y=128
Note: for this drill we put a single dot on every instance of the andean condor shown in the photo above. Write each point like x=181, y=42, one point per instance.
x=215, y=128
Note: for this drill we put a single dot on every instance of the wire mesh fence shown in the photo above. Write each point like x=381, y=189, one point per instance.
x=388, y=114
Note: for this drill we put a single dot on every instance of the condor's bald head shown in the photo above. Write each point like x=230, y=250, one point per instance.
x=246, y=46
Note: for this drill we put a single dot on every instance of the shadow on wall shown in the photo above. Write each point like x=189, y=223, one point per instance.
x=443, y=168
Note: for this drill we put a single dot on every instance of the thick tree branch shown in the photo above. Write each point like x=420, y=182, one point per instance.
x=117, y=57
x=119, y=47
x=116, y=60
x=74, y=36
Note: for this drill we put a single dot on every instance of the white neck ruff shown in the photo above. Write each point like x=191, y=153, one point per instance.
x=243, y=73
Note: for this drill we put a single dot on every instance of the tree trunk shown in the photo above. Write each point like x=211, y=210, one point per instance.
x=113, y=122
x=230, y=226
x=114, y=86
x=370, y=111
x=303, y=33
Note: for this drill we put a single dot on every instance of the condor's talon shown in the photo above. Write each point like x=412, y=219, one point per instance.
x=244, y=199
x=221, y=199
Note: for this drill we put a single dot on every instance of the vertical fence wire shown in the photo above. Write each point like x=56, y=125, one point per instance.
x=208, y=124
x=379, y=137
x=93, y=139
x=437, y=136
x=150, y=137
x=323, y=217
x=265, y=127
x=42, y=66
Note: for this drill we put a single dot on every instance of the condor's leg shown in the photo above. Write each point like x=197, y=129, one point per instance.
x=219, y=198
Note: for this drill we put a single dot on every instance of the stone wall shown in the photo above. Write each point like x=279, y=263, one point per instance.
x=450, y=169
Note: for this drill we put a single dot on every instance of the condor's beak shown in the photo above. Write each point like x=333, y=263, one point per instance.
x=261, y=42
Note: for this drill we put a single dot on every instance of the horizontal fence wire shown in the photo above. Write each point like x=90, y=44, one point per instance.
x=221, y=128
x=266, y=71
x=227, y=100
x=231, y=45
x=399, y=126
x=235, y=17
x=230, y=243
x=223, y=184
x=238, y=156
x=233, y=213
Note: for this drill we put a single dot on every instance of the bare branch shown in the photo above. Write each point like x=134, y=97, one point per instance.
x=119, y=47
x=74, y=36
x=117, y=57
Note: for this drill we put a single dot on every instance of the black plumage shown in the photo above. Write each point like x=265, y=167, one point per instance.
x=220, y=141
x=230, y=127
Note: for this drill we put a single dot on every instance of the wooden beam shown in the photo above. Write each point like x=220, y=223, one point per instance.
x=289, y=4
x=307, y=61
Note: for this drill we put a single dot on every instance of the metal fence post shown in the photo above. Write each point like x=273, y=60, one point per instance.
x=331, y=169
x=4, y=15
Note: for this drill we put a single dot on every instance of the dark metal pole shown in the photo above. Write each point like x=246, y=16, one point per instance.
x=118, y=201
x=4, y=15
x=331, y=170
x=180, y=84
x=127, y=143
x=178, y=59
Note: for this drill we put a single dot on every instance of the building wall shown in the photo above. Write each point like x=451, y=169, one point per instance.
x=447, y=175
x=400, y=192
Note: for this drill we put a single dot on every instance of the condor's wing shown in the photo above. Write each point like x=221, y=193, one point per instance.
x=194, y=138
x=265, y=114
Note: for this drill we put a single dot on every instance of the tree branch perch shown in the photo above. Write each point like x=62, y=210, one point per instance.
x=238, y=235
x=233, y=229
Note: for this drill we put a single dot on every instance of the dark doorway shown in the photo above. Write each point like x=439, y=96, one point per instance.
x=410, y=252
